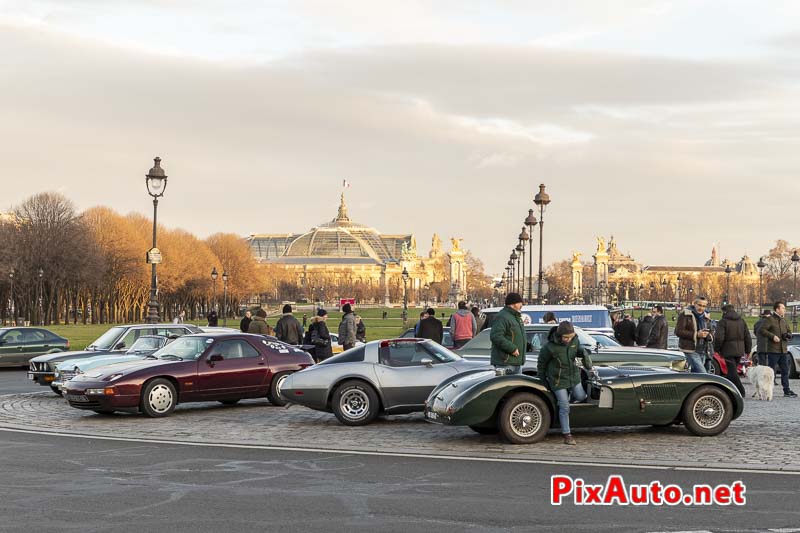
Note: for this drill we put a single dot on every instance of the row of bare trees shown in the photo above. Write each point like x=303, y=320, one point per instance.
x=65, y=266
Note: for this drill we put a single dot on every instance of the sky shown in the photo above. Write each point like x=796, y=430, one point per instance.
x=671, y=125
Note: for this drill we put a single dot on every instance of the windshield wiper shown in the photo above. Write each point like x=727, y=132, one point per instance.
x=150, y=356
x=169, y=355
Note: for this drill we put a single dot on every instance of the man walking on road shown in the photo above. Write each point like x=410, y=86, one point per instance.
x=347, y=327
x=288, y=328
x=430, y=327
x=508, y=336
x=659, y=331
x=463, y=325
x=776, y=330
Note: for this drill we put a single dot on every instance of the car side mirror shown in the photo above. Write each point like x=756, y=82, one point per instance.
x=215, y=358
x=427, y=362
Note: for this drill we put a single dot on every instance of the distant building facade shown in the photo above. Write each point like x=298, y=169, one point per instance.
x=345, y=256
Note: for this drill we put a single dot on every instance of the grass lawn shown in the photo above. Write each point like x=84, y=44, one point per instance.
x=81, y=335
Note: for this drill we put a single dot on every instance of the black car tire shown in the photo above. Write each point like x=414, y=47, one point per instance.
x=158, y=398
x=230, y=402
x=485, y=430
x=355, y=403
x=513, y=425
x=707, y=411
x=792, y=368
x=274, y=396
x=56, y=390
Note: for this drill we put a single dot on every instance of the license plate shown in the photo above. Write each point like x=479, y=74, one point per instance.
x=77, y=398
x=431, y=415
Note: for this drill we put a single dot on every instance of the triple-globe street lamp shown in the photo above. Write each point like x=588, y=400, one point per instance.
x=156, y=181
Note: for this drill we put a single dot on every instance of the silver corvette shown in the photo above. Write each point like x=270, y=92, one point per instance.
x=390, y=376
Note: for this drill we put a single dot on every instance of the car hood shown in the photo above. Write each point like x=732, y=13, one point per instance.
x=63, y=356
x=125, y=368
x=87, y=363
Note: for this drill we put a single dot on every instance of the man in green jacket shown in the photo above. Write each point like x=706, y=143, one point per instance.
x=557, y=365
x=508, y=336
x=777, y=334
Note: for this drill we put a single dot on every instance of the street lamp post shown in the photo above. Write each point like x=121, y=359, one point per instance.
x=602, y=292
x=41, y=307
x=795, y=259
x=678, y=293
x=156, y=181
x=214, y=286
x=405, y=296
x=521, y=263
x=524, y=239
x=728, y=271
x=652, y=289
x=514, y=270
x=427, y=295
x=664, y=290
x=542, y=199
x=224, y=298
x=530, y=221
x=761, y=264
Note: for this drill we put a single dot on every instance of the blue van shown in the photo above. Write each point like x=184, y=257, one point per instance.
x=588, y=317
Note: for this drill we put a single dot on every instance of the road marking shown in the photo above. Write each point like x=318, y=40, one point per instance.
x=399, y=454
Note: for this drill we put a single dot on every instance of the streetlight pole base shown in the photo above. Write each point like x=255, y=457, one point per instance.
x=152, y=312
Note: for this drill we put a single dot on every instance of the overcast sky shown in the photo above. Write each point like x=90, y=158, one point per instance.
x=671, y=125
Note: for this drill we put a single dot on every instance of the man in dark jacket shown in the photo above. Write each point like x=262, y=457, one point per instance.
x=659, y=331
x=732, y=341
x=508, y=336
x=761, y=342
x=643, y=330
x=259, y=324
x=625, y=332
x=347, y=327
x=245, y=323
x=431, y=327
x=288, y=328
x=777, y=333
x=212, y=319
x=692, y=330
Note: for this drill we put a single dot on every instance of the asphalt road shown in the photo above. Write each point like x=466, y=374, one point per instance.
x=57, y=483
x=15, y=380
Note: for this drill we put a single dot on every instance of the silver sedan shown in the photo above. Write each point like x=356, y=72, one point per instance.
x=390, y=376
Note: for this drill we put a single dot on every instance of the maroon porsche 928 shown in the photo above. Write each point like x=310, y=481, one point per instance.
x=224, y=367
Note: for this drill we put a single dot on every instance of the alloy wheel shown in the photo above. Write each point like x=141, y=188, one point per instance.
x=354, y=403
x=160, y=399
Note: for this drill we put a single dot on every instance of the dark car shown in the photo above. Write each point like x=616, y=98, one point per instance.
x=116, y=340
x=447, y=338
x=523, y=409
x=19, y=345
x=221, y=367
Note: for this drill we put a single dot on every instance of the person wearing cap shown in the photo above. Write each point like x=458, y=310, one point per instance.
x=319, y=335
x=557, y=366
x=288, y=328
x=259, y=324
x=761, y=342
x=508, y=336
x=347, y=327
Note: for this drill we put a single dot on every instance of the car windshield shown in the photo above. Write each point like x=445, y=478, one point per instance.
x=441, y=353
x=605, y=340
x=106, y=340
x=187, y=348
x=145, y=344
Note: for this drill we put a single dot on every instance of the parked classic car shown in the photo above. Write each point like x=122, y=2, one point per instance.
x=195, y=368
x=116, y=340
x=144, y=346
x=480, y=349
x=19, y=345
x=522, y=408
x=391, y=376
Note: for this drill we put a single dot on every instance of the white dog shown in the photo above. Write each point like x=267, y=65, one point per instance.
x=763, y=378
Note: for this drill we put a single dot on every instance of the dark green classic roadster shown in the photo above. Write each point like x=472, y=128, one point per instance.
x=522, y=409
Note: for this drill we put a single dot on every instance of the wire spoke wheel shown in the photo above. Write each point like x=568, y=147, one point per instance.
x=525, y=419
x=708, y=412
